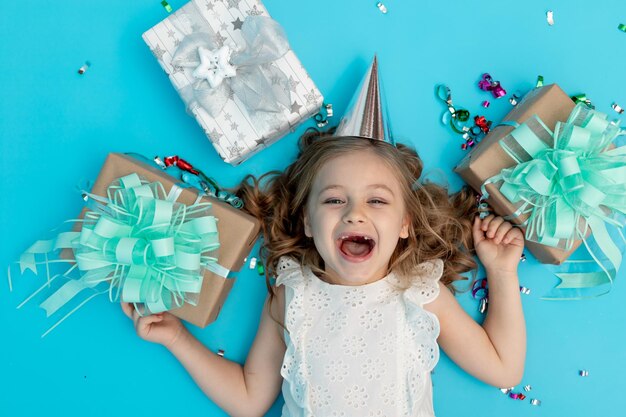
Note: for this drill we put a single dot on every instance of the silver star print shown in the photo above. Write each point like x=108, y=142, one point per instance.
x=214, y=135
x=237, y=24
x=293, y=84
x=170, y=33
x=209, y=6
x=177, y=68
x=275, y=80
x=254, y=11
x=235, y=150
x=241, y=137
x=224, y=26
x=158, y=52
x=262, y=142
x=311, y=97
x=176, y=42
x=234, y=126
x=295, y=107
x=228, y=117
x=233, y=4
x=219, y=39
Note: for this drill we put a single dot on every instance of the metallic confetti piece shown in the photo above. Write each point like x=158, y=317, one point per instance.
x=486, y=103
x=583, y=372
x=260, y=269
x=622, y=27
x=381, y=7
x=535, y=401
x=550, y=17
x=329, y=110
x=617, y=108
x=582, y=98
x=527, y=388
x=166, y=6
x=524, y=290
x=488, y=84
x=482, y=306
x=159, y=162
x=517, y=396
x=523, y=257
x=506, y=391
x=514, y=99
x=539, y=81
x=252, y=263
x=84, y=68
x=220, y=352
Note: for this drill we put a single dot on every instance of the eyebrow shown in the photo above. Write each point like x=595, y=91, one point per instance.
x=374, y=186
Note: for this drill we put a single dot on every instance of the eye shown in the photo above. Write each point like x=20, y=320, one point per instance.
x=333, y=201
x=377, y=201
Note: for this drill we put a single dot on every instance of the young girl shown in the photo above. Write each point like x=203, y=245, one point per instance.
x=364, y=258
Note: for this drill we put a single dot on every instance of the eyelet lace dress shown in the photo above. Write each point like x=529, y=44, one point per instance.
x=358, y=350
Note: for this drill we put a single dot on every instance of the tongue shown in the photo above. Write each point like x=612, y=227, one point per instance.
x=355, y=248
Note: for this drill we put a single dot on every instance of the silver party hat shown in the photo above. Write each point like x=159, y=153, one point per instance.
x=366, y=116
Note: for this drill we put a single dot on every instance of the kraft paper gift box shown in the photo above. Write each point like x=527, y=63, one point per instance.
x=237, y=230
x=488, y=158
x=264, y=100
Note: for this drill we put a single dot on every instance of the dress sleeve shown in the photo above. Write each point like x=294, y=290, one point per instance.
x=425, y=285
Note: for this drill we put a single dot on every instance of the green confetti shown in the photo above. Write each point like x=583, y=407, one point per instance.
x=539, y=81
x=260, y=269
x=622, y=27
x=167, y=6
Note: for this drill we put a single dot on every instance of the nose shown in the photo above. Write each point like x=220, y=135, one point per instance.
x=354, y=214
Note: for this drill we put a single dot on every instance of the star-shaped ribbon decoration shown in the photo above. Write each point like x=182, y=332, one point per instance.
x=214, y=65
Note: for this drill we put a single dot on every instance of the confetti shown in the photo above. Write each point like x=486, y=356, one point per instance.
x=527, y=388
x=524, y=290
x=550, y=17
x=523, y=257
x=381, y=7
x=486, y=103
x=252, y=263
x=514, y=99
x=582, y=98
x=159, y=162
x=84, y=68
x=535, y=401
x=166, y=6
x=539, y=81
x=617, y=108
x=517, y=396
x=506, y=391
x=260, y=269
x=583, y=372
x=220, y=352
x=329, y=110
x=622, y=27
x=488, y=84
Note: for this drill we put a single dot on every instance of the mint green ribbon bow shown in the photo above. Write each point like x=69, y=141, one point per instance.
x=566, y=182
x=146, y=248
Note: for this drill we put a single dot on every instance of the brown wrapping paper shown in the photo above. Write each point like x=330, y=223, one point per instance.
x=238, y=232
x=488, y=158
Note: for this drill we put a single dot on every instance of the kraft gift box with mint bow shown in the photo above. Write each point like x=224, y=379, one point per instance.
x=147, y=238
x=557, y=170
x=233, y=68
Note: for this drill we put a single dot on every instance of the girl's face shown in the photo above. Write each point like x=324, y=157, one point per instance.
x=355, y=214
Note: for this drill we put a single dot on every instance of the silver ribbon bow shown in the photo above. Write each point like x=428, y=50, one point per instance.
x=247, y=71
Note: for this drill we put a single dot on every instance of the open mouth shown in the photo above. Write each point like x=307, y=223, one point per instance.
x=355, y=248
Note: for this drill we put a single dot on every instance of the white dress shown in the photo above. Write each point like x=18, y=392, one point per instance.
x=358, y=350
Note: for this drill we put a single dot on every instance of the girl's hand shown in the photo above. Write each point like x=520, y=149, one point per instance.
x=162, y=328
x=498, y=244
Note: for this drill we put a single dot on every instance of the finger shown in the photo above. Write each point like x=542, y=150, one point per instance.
x=143, y=324
x=514, y=236
x=128, y=308
x=486, y=221
x=493, y=226
x=477, y=232
x=501, y=232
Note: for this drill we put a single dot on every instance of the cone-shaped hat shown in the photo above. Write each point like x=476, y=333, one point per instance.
x=366, y=116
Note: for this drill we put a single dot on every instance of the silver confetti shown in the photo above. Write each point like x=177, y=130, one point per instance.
x=252, y=263
x=535, y=401
x=583, y=372
x=220, y=353
x=506, y=391
x=524, y=290
x=84, y=68
x=527, y=388
x=617, y=108
x=550, y=17
x=381, y=7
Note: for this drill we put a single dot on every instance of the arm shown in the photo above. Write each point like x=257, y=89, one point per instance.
x=247, y=390
x=494, y=352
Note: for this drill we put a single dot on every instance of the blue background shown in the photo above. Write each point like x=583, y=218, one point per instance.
x=56, y=128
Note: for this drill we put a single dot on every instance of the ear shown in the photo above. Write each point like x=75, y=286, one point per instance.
x=307, y=224
x=404, y=231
